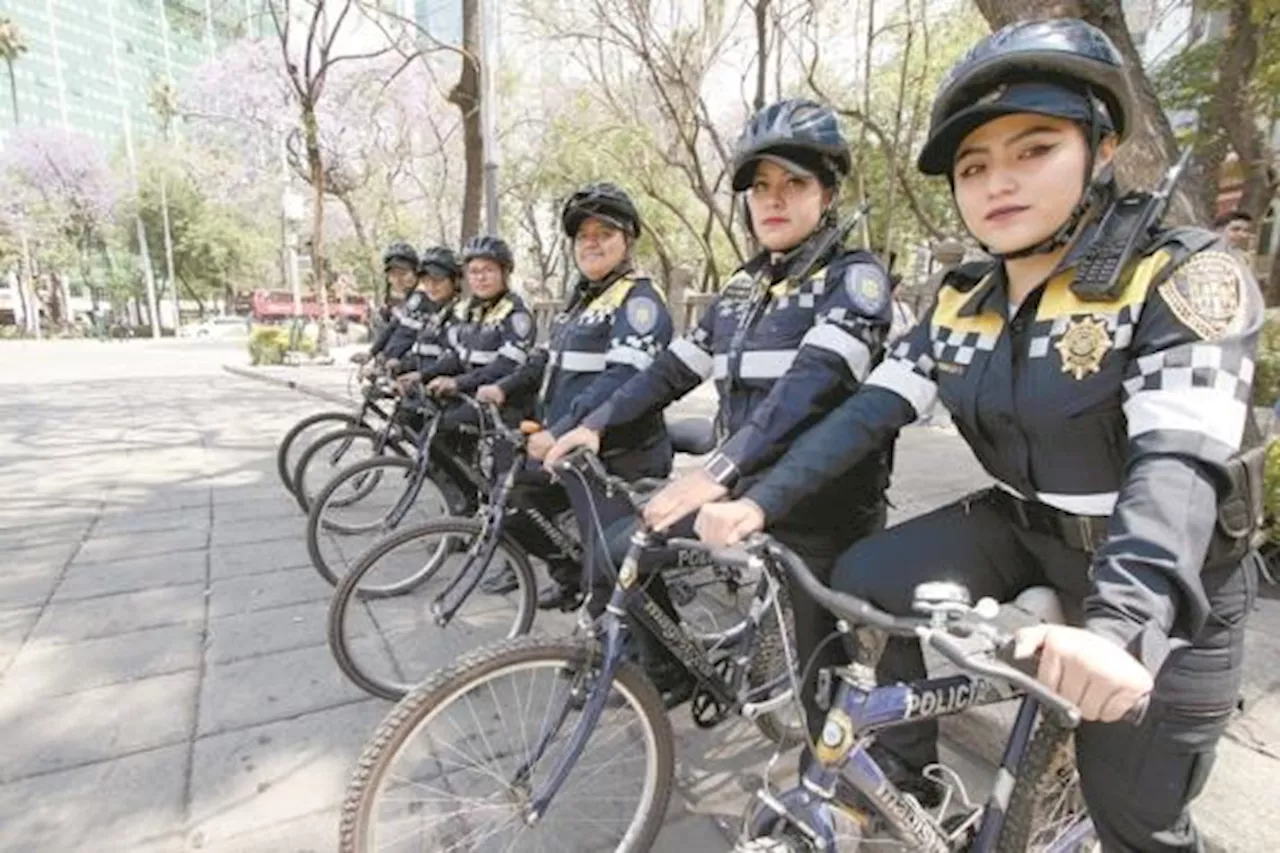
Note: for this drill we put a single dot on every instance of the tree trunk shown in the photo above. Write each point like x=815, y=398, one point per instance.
x=191, y=290
x=761, y=10
x=316, y=166
x=1151, y=147
x=362, y=237
x=13, y=92
x=1239, y=119
x=466, y=97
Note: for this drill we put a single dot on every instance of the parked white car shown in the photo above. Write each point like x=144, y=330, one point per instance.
x=218, y=328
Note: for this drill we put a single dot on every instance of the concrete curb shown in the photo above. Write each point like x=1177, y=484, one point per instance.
x=291, y=384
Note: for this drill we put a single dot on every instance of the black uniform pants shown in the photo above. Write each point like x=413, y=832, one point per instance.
x=1137, y=781
x=532, y=507
x=813, y=624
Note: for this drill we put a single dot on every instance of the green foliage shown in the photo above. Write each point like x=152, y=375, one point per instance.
x=1266, y=375
x=268, y=344
x=1271, y=486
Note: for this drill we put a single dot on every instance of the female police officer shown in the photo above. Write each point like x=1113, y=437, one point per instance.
x=1111, y=410
x=614, y=324
x=793, y=333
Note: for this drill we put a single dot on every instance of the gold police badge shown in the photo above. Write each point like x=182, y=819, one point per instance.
x=1083, y=345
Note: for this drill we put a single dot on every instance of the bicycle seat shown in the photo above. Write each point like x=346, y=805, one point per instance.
x=695, y=436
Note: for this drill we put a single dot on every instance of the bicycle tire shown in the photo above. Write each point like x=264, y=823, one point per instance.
x=285, y=468
x=416, y=709
x=1049, y=754
x=327, y=441
x=349, y=592
x=768, y=659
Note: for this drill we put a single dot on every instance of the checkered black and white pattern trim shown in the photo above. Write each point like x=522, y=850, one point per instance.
x=1120, y=326
x=957, y=347
x=635, y=350
x=1200, y=387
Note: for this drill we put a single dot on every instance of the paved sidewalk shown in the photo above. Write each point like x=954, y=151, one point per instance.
x=164, y=680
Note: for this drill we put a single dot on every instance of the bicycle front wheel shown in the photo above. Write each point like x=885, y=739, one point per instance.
x=383, y=629
x=328, y=455
x=1047, y=809
x=457, y=763
x=363, y=504
x=301, y=436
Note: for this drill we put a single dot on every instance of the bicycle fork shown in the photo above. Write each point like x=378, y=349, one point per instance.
x=616, y=634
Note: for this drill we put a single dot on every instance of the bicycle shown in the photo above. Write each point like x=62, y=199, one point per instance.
x=370, y=409
x=352, y=506
x=588, y=683
x=1036, y=802
x=444, y=618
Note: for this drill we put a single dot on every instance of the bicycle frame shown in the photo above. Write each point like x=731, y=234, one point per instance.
x=855, y=715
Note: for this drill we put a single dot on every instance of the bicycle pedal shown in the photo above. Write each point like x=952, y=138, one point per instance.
x=705, y=710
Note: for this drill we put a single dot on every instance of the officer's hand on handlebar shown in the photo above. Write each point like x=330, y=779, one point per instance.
x=1088, y=670
x=392, y=365
x=491, y=394
x=359, y=357
x=723, y=525
x=538, y=444
x=407, y=381
x=680, y=498
x=569, y=442
x=442, y=386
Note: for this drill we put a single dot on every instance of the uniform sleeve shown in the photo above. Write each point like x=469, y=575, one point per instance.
x=833, y=359
x=450, y=361
x=1186, y=397
x=517, y=339
x=641, y=330
x=897, y=392
x=527, y=378
x=384, y=336
x=674, y=372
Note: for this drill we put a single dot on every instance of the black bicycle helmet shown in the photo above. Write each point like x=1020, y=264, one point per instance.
x=605, y=201
x=439, y=261
x=492, y=248
x=400, y=255
x=1066, y=52
x=798, y=133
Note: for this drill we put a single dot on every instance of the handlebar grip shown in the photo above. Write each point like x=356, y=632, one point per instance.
x=1031, y=668
x=1067, y=713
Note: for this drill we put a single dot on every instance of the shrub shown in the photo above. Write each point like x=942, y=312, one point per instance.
x=267, y=345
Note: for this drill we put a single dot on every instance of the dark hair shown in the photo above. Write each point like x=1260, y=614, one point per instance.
x=1231, y=216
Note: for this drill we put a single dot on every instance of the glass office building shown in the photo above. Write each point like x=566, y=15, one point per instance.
x=75, y=48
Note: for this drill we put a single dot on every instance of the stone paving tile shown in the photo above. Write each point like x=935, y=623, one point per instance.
x=291, y=627
x=249, y=593
x=279, y=505
x=14, y=626
x=104, y=806
x=41, y=536
x=20, y=589
x=39, y=559
x=73, y=621
x=106, y=549
x=313, y=833
x=274, y=687
x=95, y=725
x=152, y=500
x=258, y=777
x=249, y=530
x=54, y=670
x=258, y=557
x=142, y=573
x=133, y=523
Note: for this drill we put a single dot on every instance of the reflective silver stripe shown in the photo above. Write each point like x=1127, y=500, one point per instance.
x=1099, y=504
x=411, y=323
x=427, y=349
x=721, y=363
x=582, y=362
x=514, y=353
x=896, y=375
x=694, y=357
x=766, y=363
x=1206, y=411
x=637, y=358
x=481, y=357
x=834, y=339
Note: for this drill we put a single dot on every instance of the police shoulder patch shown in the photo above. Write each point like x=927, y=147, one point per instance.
x=642, y=314
x=521, y=324
x=867, y=288
x=1206, y=292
